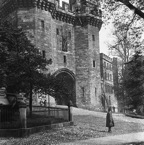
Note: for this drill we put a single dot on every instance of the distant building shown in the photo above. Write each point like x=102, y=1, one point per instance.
x=107, y=81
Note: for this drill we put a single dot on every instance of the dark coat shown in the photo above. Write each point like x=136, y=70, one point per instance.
x=109, y=120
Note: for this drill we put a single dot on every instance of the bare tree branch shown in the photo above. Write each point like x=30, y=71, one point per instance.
x=132, y=7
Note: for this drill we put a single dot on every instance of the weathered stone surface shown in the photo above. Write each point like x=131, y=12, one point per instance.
x=51, y=31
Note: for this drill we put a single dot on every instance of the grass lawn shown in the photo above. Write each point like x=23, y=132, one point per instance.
x=85, y=127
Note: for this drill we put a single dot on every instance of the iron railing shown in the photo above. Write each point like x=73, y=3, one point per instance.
x=9, y=117
x=61, y=112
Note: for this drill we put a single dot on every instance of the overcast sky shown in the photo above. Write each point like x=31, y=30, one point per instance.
x=104, y=36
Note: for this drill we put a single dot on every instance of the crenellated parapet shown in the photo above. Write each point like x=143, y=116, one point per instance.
x=78, y=12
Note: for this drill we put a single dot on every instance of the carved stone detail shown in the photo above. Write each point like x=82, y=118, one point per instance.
x=80, y=8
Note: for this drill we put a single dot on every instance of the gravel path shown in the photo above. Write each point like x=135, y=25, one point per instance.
x=120, y=117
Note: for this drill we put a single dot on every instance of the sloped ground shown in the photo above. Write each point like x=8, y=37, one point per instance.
x=88, y=124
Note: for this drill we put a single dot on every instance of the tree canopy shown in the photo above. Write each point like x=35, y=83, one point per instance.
x=135, y=6
x=134, y=80
x=126, y=17
x=20, y=61
x=22, y=66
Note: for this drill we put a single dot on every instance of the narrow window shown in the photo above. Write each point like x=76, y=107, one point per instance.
x=110, y=77
x=109, y=100
x=95, y=92
x=64, y=59
x=107, y=66
x=105, y=75
x=104, y=64
x=43, y=54
x=110, y=67
x=42, y=24
x=93, y=37
x=83, y=94
x=93, y=63
x=57, y=31
x=69, y=35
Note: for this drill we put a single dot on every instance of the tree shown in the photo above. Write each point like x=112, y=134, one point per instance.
x=135, y=6
x=130, y=5
x=134, y=80
x=56, y=87
x=126, y=41
x=22, y=65
x=127, y=34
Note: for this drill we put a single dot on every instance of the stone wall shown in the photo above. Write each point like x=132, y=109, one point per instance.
x=82, y=66
x=87, y=76
x=94, y=66
x=46, y=38
x=82, y=55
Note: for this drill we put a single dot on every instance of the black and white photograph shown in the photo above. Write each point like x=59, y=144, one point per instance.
x=71, y=72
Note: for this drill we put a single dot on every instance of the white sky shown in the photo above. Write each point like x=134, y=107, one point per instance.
x=104, y=36
x=64, y=1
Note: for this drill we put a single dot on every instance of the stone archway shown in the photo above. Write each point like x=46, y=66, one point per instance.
x=67, y=78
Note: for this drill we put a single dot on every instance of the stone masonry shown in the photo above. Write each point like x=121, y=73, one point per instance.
x=69, y=35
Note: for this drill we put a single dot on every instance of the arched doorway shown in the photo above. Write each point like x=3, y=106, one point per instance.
x=67, y=90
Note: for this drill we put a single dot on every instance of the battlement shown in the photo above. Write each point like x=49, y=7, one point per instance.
x=107, y=58
x=87, y=11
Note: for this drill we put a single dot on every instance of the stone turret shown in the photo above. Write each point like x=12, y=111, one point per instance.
x=87, y=25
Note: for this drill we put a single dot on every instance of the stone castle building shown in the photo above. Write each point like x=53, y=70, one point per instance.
x=109, y=80
x=69, y=35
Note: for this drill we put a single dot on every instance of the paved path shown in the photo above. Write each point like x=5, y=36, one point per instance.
x=78, y=111
x=111, y=140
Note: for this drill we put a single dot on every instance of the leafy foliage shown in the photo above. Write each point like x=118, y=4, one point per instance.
x=20, y=61
x=23, y=69
x=22, y=65
x=134, y=80
x=55, y=87
x=135, y=6
x=126, y=17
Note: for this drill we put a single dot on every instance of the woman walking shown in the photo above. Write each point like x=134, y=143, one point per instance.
x=109, y=119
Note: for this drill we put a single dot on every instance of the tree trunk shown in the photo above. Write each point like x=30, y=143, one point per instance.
x=30, y=99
